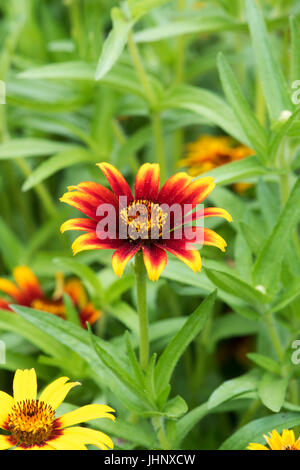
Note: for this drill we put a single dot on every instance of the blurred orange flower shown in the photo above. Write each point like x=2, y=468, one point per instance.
x=28, y=292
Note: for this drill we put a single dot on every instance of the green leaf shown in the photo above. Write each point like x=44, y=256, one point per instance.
x=287, y=297
x=121, y=77
x=233, y=388
x=118, y=287
x=46, y=96
x=71, y=311
x=139, y=8
x=44, y=341
x=264, y=362
x=269, y=201
x=254, y=431
x=266, y=270
x=235, y=286
x=175, y=408
x=11, y=248
x=243, y=257
x=186, y=424
x=272, y=390
x=171, y=355
x=31, y=147
x=56, y=163
x=206, y=21
x=254, y=131
x=78, y=340
x=125, y=314
x=114, y=43
x=280, y=132
x=252, y=236
x=206, y=104
x=249, y=167
x=140, y=434
x=119, y=370
x=133, y=360
x=273, y=82
x=295, y=47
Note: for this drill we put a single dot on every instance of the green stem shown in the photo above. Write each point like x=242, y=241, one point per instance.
x=159, y=145
x=136, y=58
x=274, y=335
x=158, y=424
x=141, y=287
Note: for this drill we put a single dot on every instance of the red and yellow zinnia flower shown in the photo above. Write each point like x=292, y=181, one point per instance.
x=180, y=189
x=28, y=292
x=31, y=424
x=275, y=441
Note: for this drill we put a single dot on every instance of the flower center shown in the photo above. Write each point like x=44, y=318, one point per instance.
x=143, y=219
x=31, y=422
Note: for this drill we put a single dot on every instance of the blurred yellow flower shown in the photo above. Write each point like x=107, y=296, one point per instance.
x=209, y=152
x=275, y=441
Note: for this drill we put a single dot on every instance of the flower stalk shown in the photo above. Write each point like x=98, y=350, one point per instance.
x=141, y=287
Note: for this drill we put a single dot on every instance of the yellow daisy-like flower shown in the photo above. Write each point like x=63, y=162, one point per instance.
x=275, y=441
x=31, y=421
x=209, y=152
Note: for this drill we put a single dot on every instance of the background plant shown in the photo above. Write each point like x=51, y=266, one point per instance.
x=129, y=82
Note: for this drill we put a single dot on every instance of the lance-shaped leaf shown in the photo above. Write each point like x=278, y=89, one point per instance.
x=171, y=355
x=272, y=390
x=206, y=104
x=254, y=131
x=295, y=47
x=267, y=267
x=249, y=167
x=235, y=286
x=265, y=362
x=233, y=388
x=78, y=340
x=273, y=82
x=114, y=44
x=56, y=163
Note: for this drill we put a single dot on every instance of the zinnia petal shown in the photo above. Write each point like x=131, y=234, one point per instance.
x=10, y=288
x=28, y=282
x=89, y=436
x=253, y=446
x=85, y=413
x=65, y=442
x=5, y=443
x=6, y=403
x=103, y=194
x=196, y=192
x=4, y=305
x=55, y=393
x=86, y=203
x=172, y=187
x=122, y=255
x=155, y=260
x=25, y=385
x=147, y=182
x=116, y=180
x=208, y=212
x=90, y=241
x=191, y=258
x=82, y=225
